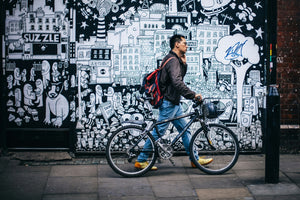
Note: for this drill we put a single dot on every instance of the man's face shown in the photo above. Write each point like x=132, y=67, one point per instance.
x=182, y=46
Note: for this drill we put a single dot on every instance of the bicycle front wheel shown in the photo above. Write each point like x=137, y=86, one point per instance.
x=123, y=148
x=220, y=144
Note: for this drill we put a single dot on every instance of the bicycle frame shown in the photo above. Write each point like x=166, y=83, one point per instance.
x=194, y=115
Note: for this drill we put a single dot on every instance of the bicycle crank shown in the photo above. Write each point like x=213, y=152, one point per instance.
x=165, y=151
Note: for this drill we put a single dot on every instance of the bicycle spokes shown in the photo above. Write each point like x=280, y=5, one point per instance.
x=220, y=144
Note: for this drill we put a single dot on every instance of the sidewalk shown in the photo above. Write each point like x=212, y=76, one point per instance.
x=92, y=179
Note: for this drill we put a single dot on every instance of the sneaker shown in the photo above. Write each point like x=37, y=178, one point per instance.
x=142, y=165
x=203, y=161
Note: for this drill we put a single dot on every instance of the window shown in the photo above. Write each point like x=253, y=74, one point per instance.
x=32, y=28
x=40, y=27
x=201, y=34
x=80, y=54
x=40, y=20
x=31, y=18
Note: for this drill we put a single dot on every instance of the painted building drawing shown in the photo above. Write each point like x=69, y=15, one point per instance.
x=81, y=63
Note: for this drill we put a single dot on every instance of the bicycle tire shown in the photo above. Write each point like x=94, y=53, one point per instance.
x=224, y=149
x=123, y=148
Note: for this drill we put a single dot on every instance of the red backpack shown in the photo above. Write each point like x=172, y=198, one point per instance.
x=150, y=86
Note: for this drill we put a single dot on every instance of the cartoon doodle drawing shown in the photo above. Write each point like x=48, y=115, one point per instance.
x=127, y=99
x=213, y=7
x=32, y=74
x=21, y=112
x=39, y=92
x=241, y=53
x=23, y=75
x=246, y=13
x=55, y=73
x=56, y=104
x=29, y=95
x=9, y=80
x=17, y=76
x=66, y=85
x=18, y=97
x=45, y=73
x=73, y=81
x=99, y=94
x=110, y=94
x=91, y=104
x=117, y=99
x=84, y=79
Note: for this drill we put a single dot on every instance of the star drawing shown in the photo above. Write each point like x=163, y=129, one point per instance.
x=237, y=27
x=259, y=33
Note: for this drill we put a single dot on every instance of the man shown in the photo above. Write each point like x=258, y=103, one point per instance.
x=173, y=87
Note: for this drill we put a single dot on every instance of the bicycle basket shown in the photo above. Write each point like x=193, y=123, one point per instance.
x=213, y=109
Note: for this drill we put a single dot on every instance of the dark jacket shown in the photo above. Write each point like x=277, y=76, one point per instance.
x=171, y=80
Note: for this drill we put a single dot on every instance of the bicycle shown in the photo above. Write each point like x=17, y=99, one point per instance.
x=212, y=140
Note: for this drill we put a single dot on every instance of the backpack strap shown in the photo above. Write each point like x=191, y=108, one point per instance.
x=162, y=66
x=158, y=69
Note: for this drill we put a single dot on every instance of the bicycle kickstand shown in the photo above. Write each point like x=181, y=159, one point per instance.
x=172, y=161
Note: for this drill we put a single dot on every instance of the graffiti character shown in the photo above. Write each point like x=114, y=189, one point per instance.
x=99, y=94
x=9, y=80
x=39, y=92
x=91, y=104
x=55, y=73
x=32, y=74
x=17, y=76
x=29, y=95
x=109, y=94
x=23, y=75
x=18, y=97
x=56, y=104
x=45, y=72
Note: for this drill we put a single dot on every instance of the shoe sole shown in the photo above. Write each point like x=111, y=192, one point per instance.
x=194, y=166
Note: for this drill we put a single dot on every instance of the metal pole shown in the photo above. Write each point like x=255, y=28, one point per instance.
x=272, y=138
x=272, y=134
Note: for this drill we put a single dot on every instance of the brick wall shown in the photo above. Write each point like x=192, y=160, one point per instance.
x=288, y=73
x=288, y=60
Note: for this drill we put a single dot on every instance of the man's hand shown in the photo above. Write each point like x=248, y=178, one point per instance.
x=198, y=97
x=183, y=58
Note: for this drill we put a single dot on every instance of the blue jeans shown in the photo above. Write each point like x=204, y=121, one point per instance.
x=166, y=111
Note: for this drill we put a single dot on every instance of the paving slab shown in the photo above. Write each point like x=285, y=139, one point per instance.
x=224, y=194
x=274, y=189
x=68, y=185
x=21, y=185
x=74, y=170
x=120, y=187
x=168, y=189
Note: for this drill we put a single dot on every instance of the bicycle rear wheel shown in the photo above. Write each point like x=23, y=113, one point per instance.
x=123, y=148
x=220, y=144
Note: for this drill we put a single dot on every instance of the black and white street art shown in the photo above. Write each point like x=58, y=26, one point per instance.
x=80, y=63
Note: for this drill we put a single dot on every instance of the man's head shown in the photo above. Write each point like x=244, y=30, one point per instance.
x=178, y=44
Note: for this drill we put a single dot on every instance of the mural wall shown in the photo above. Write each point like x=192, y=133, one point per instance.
x=80, y=63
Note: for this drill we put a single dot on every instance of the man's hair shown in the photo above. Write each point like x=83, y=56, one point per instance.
x=174, y=39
